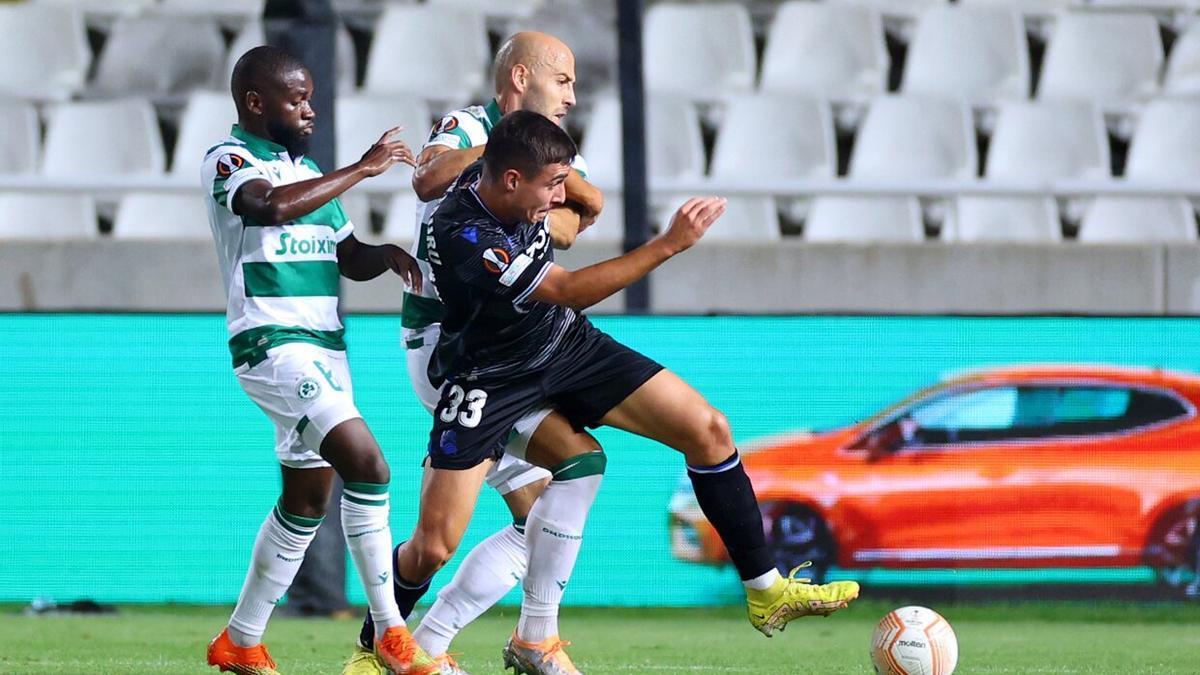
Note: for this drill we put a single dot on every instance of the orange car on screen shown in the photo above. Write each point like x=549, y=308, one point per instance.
x=1055, y=466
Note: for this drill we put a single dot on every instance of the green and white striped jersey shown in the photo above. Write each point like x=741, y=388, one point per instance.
x=281, y=280
x=460, y=129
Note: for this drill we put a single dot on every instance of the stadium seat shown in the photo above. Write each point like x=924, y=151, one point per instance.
x=864, y=219
x=440, y=54
x=1138, y=220
x=400, y=224
x=1040, y=8
x=252, y=35
x=107, y=8
x=1111, y=58
x=674, y=145
x=46, y=52
x=361, y=120
x=824, y=49
x=775, y=137
x=746, y=219
x=162, y=215
x=19, y=144
x=702, y=51
x=207, y=119
x=148, y=55
x=508, y=9
x=357, y=205
x=1166, y=143
x=916, y=137
x=1010, y=219
x=1183, y=69
x=42, y=215
x=1048, y=140
x=117, y=137
x=241, y=9
x=610, y=225
x=900, y=8
x=976, y=53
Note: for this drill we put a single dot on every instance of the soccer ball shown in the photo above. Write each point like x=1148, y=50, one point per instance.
x=914, y=641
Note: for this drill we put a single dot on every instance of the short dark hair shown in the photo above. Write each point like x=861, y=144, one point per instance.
x=527, y=142
x=261, y=67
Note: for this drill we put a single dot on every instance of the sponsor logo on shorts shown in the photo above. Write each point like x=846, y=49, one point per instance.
x=308, y=389
x=448, y=442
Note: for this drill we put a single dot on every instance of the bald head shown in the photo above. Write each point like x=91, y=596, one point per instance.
x=536, y=71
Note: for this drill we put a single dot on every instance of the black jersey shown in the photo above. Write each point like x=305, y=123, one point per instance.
x=484, y=272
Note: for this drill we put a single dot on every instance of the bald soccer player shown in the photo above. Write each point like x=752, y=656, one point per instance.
x=534, y=72
x=282, y=241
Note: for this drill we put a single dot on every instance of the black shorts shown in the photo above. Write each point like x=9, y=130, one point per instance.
x=589, y=375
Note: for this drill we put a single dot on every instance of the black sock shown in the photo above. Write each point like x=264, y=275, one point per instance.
x=727, y=500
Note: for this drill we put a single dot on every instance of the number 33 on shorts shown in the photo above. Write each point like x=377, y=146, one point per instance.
x=470, y=414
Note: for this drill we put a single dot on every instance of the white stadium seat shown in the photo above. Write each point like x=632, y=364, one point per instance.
x=746, y=219
x=46, y=53
x=206, y=120
x=108, y=8
x=357, y=205
x=610, y=225
x=1183, y=69
x=47, y=216
x=116, y=137
x=775, y=137
x=361, y=120
x=252, y=35
x=703, y=51
x=1048, y=140
x=160, y=55
x=1009, y=219
x=1138, y=220
x=977, y=53
x=915, y=137
x=825, y=49
x=509, y=9
x=1039, y=8
x=900, y=8
x=162, y=215
x=21, y=140
x=241, y=9
x=674, y=149
x=437, y=53
x=1111, y=58
x=400, y=224
x=1166, y=143
x=864, y=219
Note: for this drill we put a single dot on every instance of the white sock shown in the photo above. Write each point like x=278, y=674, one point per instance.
x=763, y=581
x=488, y=572
x=553, y=534
x=278, y=551
x=365, y=521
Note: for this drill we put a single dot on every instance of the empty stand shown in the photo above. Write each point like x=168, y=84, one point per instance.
x=1048, y=140
x=505, y=9
x=916, y=137
x=675, y=148
x=900, y=8
x=1107, y=57
x=1166, y=143
x=361, y=120
x=864, y=220
x=151, y=55
x=206, y=121
x=110, y=137
x=1003, y=219
x=252, y=35
x=47, y=216
x=400, y=225
x=977, y=53
x=1138, y=220
x=162, y=215
x=21, y=140
x=826, y=49
x=775, y=137
x=1182, y=77
x=437, y=53
x=703, y=51
x=746, y=219
x=46, y=52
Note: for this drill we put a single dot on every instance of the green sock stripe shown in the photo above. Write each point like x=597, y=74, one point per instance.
x=368, y=488
x=302, y=424
x=589, y=464
x=519, y=525
x=281, y=519
x=358, y=499
x=299, y=521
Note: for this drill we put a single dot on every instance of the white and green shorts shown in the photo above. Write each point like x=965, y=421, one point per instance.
x=306, y=391
x=511, y=471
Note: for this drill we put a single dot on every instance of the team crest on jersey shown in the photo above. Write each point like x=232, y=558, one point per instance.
x=447, y=123
x=228, y=164
x=495, y=260
x=308, y=389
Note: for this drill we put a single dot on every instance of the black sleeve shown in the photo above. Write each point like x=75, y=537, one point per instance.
x=486, y=259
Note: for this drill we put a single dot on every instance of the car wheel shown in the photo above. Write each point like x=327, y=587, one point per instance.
x=1175, y=548
x=797, y=534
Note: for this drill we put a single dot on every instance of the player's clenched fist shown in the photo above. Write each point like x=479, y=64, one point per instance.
x=387, y=153
x=692, y=220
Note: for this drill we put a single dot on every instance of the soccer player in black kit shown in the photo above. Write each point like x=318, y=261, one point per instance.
x=513, y=339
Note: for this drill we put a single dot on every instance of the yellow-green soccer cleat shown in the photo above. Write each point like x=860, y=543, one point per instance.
x=791, y=598
x=363, y=662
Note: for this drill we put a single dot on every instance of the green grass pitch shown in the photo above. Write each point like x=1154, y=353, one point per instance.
x=1069, y=637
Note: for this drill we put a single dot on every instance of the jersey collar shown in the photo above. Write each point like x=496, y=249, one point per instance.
x=492, y=110
x=254, y=142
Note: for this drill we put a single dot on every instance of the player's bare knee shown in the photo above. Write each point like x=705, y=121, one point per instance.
x=712, y=439
x=431, y=552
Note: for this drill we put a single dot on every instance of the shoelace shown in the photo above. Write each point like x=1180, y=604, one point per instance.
x=555, y=649
x=797, y=568
x=408, y=648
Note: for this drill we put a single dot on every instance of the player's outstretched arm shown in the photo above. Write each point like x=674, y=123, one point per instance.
x=362, y=262
x=585, y=287
x=438, y=166
x=272, y=205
